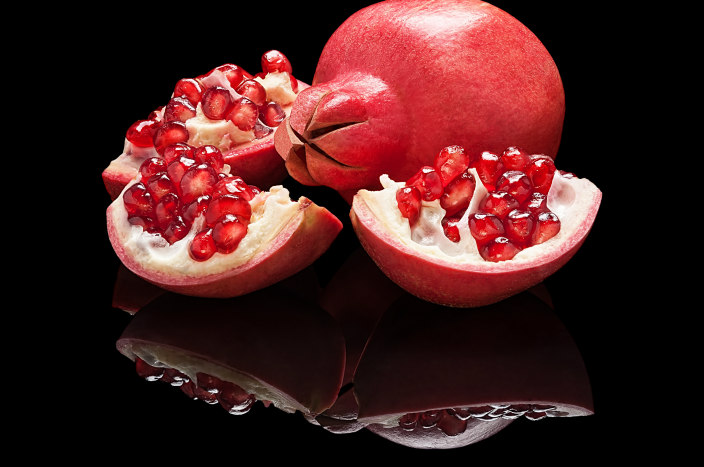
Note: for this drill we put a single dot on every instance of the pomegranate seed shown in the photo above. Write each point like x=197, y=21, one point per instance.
x=197, y=181
x=455, y=199
x=499, y=203
x=211, y=155
x=176, y=230
x=233, y=185
x=159, y=185
x=536, y=203
x=409, y=203
x=228, y=204
x=146, y=223
x=485, y=226
x=208, y=382
x=166, y=210
x=176, y=168
x=541, y=170
x=189, y=388
x=452, y=426
x=195, y=209
x=534, y=416
x=271, y=114
x=228, y=232
x=517, y=184
x=205, y=395
x=428, y=183
x=176, y=151
x=169, y=133
x=234, y=399
x=148, y=372
x=202, y=246
x=489, y=167
x=430, y=418
x=244, y=114
x=174, y=377
x=156, y=114
x=462, y=413
x=252, y=90
x=141, y=133
x=450, y=163
x=179, y=109
x=547, y=226
x=519, y=227
x=294, y=83
x=409, y=421
x=234, y=74
x=514, y=158
x=261, y=130
x=274, y=61
x=216, y=102
x=451, y=229
x=498, y=249
x=151, y=167
x=190, y=89
x=137, y=200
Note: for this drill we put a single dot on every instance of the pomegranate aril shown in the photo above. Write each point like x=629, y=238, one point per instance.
x=176, y=151
x=515, y=183
x=137, y=200
x=271, y=114
x=169, y=133
x=244, y=114
x=209, y=154
x=499, y=203
x=234, y=399
x=514, y=158
x=294, y=83
x=228, y=232
x=409, y=203
x=234, y=74
x=430, y=418
x=189, y=388
x=451, y=425
x=484, y=227
x=541, y=170
x=455, y=199
x=176, y=230
x=519, y=227
x=197, y=181
x=141, y=133
x=190, y=89
x=227, y=204
x=547, y=225
x=216, y=102
x=151, y=167
x=498, y=249
x=252, y=90
x=195, y=208
x=174, y=377
x=450, y=163
x=146, y=223
x=233, y=185
x=451, y=228
x=148, y=372
x=179, y=109
x=202, y=246
x=428, y=182
x=177, y=168
x=274, y=61
x=159, y=185
x=166, y=210
x=408, y=421
x=156, y=114
x=536, y=203
x=489, y=167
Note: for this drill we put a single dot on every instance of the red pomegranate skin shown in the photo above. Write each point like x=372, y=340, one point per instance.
x=399, y=80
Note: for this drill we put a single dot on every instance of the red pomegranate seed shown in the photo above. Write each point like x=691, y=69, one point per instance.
x=516, y=183
x=174, y=377
x=244, y=114
x=202, y=246
x=252, y=90
x=189, y=389
x=519, y=227
x=234, y=399
x=451, y=425
x=294, y=83
x=137, y=200
x=489, y=167
x=216, y=102
x=408, y=421
x=176, y=230
x=179, y=109
x=190, y=89
x=428, y=182
x=151, y=167
x=156, y=114
x=166, y=210
x=146, y=223
x=451, y=229
x=233, y=185
x=450, y=163
x=485, y=226
x=234, y=74
x=148, y=372
x=169, y=133
x=228, y=232
x=499, y=203
x=197, y=181
x=547, y=226
x=536, y=203
x=208, y=382
x=274, y=61
x=541, y=170
x=455, y=199
x=514, y=158
x=176, y=168
x=498, y=249
x=430, y=418
x=209, y=154
x=159, y=185
x=228, y=204
x=176, y=151
x=271, y=114
x=195, y=208
x=462, y=413
x=409, y=203
x=141, y=133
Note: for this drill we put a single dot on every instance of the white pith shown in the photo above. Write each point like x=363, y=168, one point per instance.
x=271, y=211
x=569, y=197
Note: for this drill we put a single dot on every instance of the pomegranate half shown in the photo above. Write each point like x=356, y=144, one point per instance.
x=468, y=231
x=228, y=108
x=399, y=80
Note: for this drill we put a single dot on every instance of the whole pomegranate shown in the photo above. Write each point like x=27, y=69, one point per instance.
x=400, y=80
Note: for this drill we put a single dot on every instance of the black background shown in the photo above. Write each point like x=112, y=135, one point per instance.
x=122, y=62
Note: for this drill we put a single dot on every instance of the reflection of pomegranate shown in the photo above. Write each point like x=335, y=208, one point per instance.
x=469, y=231
x=398, y=81
x=227, y=108
x=433, y=377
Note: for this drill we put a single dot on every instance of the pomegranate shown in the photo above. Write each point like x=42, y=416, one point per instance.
x=469, y=231
x=226, y=351
x=437, y=378
x=186, y=224
x=228, y=108
x=397, y=81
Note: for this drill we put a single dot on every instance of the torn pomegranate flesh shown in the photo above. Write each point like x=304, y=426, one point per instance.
x=248, y=109
x=169, y=197
x=512, y=216
x=207, y=388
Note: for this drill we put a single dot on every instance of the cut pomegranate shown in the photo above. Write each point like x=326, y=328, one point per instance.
x=227, y=108
x=513, y=210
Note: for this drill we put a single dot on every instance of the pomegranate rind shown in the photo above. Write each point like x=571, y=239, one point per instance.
x=442, y=280
x=303, y=238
